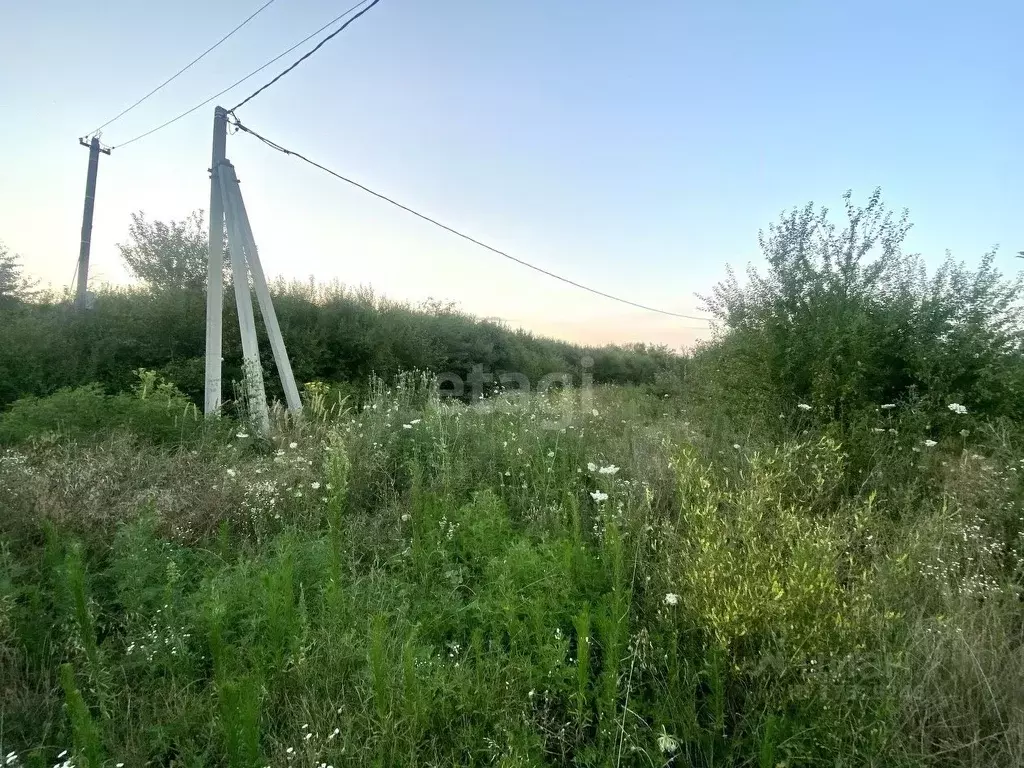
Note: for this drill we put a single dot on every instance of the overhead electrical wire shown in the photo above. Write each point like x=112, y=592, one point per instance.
x=274, y=145
x=255, y=72
x=184, y=69
x=302, y=58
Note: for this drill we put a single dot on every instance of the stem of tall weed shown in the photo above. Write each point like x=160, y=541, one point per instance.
x=74, y=575
x=377, y=657
x=239, y=707
x=85, y=733
x=581, y=623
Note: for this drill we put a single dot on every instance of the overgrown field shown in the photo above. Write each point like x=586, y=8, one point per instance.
x=799, y=544
x=593, y=579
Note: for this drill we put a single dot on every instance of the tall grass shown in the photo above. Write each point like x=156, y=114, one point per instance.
x=628, y=581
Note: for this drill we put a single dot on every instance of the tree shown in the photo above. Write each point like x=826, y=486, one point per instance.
x=845, y=320
x=13, y=285
x=168, y=256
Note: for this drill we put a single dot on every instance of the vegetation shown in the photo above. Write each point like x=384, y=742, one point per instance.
x=845, y=320
x=168, y=256
x=14, y=287
x=334, y=333
x=769, y=570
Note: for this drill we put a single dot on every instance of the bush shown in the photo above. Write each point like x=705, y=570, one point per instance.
x=845, y=321
x=332, y=334
x=156, y=411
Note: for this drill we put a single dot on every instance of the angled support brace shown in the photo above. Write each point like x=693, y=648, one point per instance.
x=259, y=280
x=255, y=391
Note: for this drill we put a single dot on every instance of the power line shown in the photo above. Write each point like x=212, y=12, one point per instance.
x=184, y=69
x=274, y=145
x=255, y=72
x=318, y=46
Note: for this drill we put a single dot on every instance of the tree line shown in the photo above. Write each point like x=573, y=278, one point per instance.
x=841, y=320
x=334, y=333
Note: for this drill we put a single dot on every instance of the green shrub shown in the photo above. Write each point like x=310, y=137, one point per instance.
x=332, y=333
x=844, y=321
x=156, y=411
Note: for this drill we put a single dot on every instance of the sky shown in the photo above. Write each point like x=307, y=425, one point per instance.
x=633, y=147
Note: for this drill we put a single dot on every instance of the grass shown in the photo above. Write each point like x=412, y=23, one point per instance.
x=627, y=581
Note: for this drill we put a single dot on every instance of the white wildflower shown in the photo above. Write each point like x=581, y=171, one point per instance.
x=929, y=443
x=231, y=472
x=595, y=412
x=957, y=408
x=611, y=469
x=671, y=598
x=416, y=421
x=551, y=454
x=667, y=744
x=803, y=406
x=888, y=406
x=315, y=486
x=877, y=429
x=598, y=496
x=405, y=517
x=964, y=432
x=591, y=466
x=407, y=426
x=293, y=446
x=736, y=446
x=241, y=435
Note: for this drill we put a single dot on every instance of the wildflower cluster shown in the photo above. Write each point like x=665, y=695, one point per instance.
x=162, y=638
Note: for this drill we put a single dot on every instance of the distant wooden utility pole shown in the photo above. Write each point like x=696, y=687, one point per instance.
x=227, y=211
x=90, y=202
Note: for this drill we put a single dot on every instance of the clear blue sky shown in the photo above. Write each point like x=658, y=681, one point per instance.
x=636, y=147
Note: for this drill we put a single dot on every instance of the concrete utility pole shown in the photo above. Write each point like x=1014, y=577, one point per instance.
x=227, y=211
x=215, y=266
x=90, y=201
